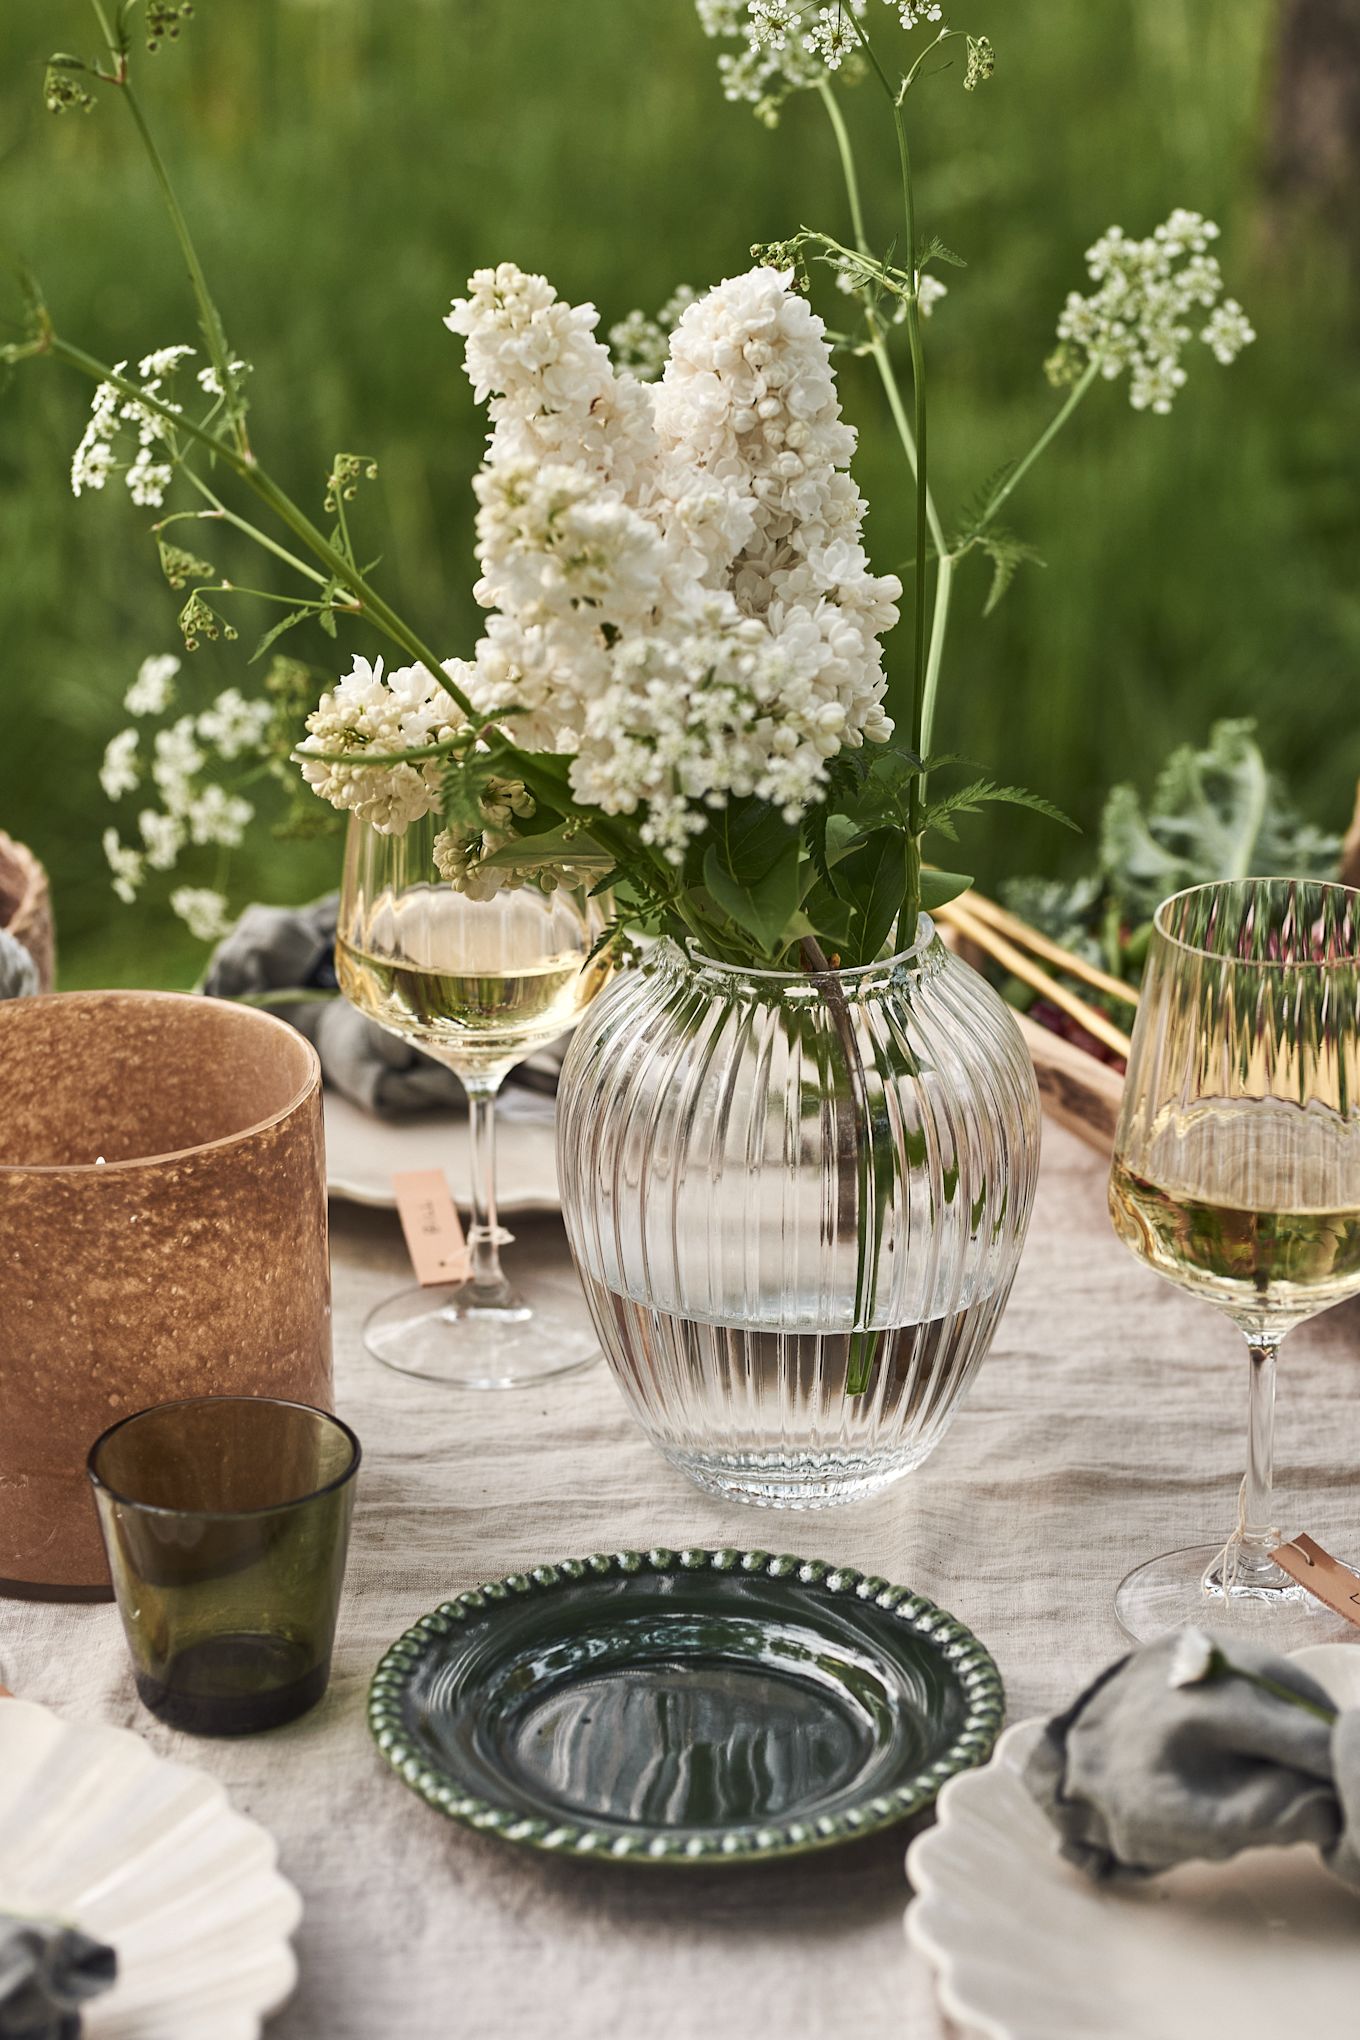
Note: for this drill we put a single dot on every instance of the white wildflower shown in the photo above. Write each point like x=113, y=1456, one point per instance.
x=210, y=382
x=219, y=817
x=148, y=479
x=929, y=291
x=203, y=911
x=1146, y=310
x=152, y=692
x=366, y=711
x=788, y=45
x=177, y=757
x=91, y=463
x=163, y=835
x=119, y=773
x=164, y=361
x=640, y=345
x=233, y=724
x=127, y=866
x=1194, y=1659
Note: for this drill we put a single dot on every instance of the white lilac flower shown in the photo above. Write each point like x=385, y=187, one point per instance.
x=219, y=817
x=367, y=711
x=233, y=724
x=163, y=835
x=680, y=596
x=1195, y=1658
x=119, y=773
x=1148, y=306
x=203, y=911
x=127, y=865
x=152, y=692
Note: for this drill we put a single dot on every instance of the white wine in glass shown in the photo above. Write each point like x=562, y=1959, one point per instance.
x=479, y=985
x=1236, y=1175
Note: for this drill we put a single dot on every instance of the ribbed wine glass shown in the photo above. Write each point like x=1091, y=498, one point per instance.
x=479, y=985
x=1237, y=1176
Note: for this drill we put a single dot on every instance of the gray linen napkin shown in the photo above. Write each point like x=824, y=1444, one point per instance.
x=1140, y=1773
x=47, y=1972
x=281, y=949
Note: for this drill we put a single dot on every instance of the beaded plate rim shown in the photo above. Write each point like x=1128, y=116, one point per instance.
x=969, y=1661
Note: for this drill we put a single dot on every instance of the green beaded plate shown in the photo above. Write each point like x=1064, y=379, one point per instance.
x=685, y=1706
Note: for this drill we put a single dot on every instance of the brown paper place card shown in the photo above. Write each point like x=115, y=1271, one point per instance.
x=1330, y=1582
x=433, y=1229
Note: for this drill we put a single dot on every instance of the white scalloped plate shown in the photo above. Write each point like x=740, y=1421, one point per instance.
x=1025, y=1947
x=98, y=1831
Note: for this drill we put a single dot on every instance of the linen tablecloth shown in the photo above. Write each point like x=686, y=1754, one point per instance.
x=1107, y=1425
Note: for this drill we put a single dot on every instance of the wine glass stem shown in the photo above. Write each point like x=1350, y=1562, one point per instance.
x=484, y=1234
x=1257, y=1536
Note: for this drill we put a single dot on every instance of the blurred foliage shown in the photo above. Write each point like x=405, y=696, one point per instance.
x=347, y=162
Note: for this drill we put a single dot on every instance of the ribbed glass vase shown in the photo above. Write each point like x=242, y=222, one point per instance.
x=797, y=1205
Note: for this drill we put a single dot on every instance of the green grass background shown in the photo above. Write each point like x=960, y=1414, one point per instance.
x=347, y=162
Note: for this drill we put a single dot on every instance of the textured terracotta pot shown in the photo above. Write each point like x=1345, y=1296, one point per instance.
x=162, y=1234
x=26, y=906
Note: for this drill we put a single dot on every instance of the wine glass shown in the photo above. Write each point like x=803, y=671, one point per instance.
x=479, y=985
x=1237, y=1176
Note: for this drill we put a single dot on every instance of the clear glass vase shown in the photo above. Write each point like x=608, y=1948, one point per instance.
x=796, y=1205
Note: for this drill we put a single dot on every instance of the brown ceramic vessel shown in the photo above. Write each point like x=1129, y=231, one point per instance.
x=162, y=1234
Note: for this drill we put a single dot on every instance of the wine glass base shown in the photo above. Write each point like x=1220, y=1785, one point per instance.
x=441, y=1334
x=1168, y=1593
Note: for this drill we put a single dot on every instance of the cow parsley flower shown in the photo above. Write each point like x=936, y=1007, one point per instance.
x=164, y=837
x=370, y=711
x=788, y=45
x=120, y=773
x=203, y=911
x=177, y=757
x=233, y=725
x=641, y=345
x=152, y=692
x=1148, y=306
x=127, y=865
x=219, y=817
x=149, y=472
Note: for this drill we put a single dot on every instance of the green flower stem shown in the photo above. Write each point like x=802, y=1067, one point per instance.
x=208, y=314
x=1279, y=1691
x=1022, y=467
x=220, y=512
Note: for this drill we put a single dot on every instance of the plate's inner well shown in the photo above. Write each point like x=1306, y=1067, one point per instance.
x=682, y=1703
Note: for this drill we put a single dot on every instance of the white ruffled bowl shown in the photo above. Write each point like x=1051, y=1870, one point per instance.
x=98, y=1831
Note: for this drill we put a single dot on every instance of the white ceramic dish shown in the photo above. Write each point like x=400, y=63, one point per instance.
x=363, y=1152
x=1025, y=1947
x=98, y=1831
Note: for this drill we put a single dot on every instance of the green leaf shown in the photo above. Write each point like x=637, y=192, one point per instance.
x=1216, y=813
x=874, y=881
x=764, y=907
x=567, y=844
x=751, y=837
x=938, y=888
x=1007, y=554
x=970, y=800
x=936, y=251
x=276, y=631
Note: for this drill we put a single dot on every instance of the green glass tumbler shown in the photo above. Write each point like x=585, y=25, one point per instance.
x=226, y=1521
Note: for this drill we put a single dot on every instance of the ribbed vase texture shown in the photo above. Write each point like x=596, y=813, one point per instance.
x=797, y=1207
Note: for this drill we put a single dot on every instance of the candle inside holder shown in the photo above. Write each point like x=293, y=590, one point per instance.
x=163, y=1213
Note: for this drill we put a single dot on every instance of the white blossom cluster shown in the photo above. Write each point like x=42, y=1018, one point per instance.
x=194, y=810
x=459, y=854
x=681, y=596
x=103, y=450
x=369, y=711
x=788, y=45
x=1150, y=303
